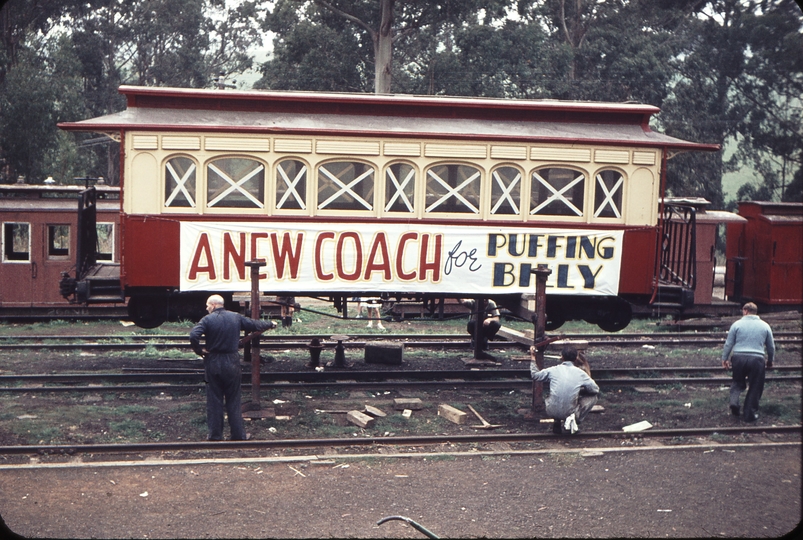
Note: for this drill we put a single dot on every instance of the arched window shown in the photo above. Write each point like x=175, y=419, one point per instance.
x=608, y=194
x=291, y=185
x=235, y=183
x=557, y=192
x=345, y=185
x=506, y=191
x=180, y=173
x=400, y=188
x=453, y=188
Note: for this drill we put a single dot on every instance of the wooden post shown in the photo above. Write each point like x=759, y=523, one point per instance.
x=479, y=305
x=541, y=275
x=255, y=305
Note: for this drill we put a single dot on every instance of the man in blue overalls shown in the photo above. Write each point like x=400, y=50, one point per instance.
x=222, y=365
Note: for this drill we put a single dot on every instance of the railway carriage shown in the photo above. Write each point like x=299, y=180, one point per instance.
x=40, y=239
x=345, y=195
x=765, y=255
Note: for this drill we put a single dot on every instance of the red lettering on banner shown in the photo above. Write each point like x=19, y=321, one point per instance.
x=202, y=250
x=230, y=253
x=406, y=237
x=424, y=266
x=284, y=255
x=341, y=272
x=254, y=255
x=319, y=271
x=379, y=246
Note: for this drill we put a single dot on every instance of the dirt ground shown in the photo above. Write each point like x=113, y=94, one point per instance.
x=719, y=486
x=724, y=492
x=107, y=416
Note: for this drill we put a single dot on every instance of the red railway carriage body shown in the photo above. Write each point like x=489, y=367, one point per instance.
x=345, y=194
x=765, y=254
x=40, y=240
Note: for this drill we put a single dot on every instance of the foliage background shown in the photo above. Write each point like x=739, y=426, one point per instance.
x=722, y=71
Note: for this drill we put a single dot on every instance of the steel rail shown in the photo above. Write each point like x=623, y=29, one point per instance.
x=413, y=440
x=524, y=383
x=336, y=375
x=457, y=344
x=420, y=336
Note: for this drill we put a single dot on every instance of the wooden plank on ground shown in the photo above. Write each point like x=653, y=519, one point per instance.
x=373, y=411
x=359, y=418
x=452, y=414
x=414, y=404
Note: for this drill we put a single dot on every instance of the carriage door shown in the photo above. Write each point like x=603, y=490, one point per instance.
x=51, y=259
x=18, y=268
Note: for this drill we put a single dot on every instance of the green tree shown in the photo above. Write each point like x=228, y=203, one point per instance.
x=105, y=43
x=39, y=92
x=738, y=80
x=768, y=97
x=366, y=29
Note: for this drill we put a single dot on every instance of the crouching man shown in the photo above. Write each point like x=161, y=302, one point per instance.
x=572, y=392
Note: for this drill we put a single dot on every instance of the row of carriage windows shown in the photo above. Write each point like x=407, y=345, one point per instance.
x=17, y=241
x=349, y=185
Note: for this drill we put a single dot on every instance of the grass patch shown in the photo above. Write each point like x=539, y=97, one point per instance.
x=669, y=387
x=36, y=432
x=128, y=429
x=785, y=408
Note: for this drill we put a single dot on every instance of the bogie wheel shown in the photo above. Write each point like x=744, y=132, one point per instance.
x=147, y=312
x=616, y=319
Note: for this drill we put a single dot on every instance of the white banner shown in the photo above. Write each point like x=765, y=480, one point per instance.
x=405, y=258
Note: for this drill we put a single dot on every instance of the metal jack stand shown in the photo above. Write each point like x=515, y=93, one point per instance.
x=253, y=407
x=539, y=340
x=340, y=351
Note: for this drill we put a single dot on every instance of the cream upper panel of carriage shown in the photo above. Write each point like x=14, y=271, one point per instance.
x=285, y=175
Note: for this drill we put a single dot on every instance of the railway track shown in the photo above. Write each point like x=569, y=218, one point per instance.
x=366, y=441
x=486, y=379
x=297, y=341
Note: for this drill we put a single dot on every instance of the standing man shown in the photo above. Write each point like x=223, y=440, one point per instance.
x=222, y=365
x=749, y=339
x=572, y=393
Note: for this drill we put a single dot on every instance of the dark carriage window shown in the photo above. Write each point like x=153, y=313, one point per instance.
x=506, y=191
x=180, y=173
x=557, y=192
x=235, y=183
x=453, y=188
x=291, y=185
x=17, y=242
x=345, y=185
x=608, y=194
x=58, y=240
x=400, y=188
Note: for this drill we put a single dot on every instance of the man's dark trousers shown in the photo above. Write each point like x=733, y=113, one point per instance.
x=223, y=377
x=747, y=367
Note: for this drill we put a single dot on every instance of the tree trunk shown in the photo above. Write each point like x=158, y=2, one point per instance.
x=383, y=49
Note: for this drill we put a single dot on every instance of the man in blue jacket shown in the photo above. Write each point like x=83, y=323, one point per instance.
x=749, y=339
x=222, y=365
